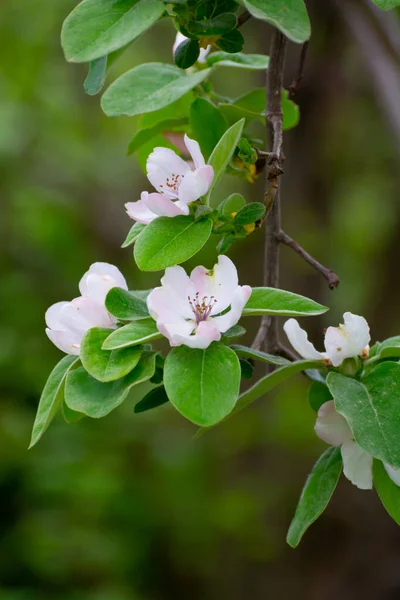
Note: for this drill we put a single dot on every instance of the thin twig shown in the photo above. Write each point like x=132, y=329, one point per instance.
x=331, y=277
x=245, y=16
x=287, y=352
x=294, y=86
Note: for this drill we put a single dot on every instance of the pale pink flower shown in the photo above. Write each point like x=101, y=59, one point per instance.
x=196, y=310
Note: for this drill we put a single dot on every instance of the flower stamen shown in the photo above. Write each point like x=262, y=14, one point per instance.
x=201, y=308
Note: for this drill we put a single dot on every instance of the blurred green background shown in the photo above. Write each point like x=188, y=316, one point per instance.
x=131, y=507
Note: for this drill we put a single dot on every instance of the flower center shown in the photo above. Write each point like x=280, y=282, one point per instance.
x=173, y=182
x=201, y=308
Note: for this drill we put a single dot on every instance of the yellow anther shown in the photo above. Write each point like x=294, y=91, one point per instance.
x=249, y=228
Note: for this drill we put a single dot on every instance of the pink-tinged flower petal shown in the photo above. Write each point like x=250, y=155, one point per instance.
x=164, y=207
x=357, y=465
x=238, y=302
x=348, y=340
x=170, y=303
x=52, y=316
x=221, y=283
x=165, y=171
x=103, y=269
x=332, y=427
x=195, y=184
x=300, y=342
x=66, y=341
x=393, y=473
x=195, y=152
x=139, y=210
x=206, y=333
x=98, y=287
x=82, y=314
x=181, y=329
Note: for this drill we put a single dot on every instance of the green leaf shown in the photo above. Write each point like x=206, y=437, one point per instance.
x=223, y=152
x=234, y=332
x=231, y=42
x=231, y=204
x=246, y=369
x=390, y=348
x=137, y=332
x=387, y=490
x=318, y=394
x=71, y=416
x=289, y=16
x=125, y=305
x=187, y=53
x=156, y=397
x=85, y=394
x=170, y=241
x=96, y=77
x=133, y=234
x=250, y=213
x=217, y=26
x=372, y=409
x=203, y=385
x=291, y=112
x=203, y=112
x=244, y=352
x=317, y=492
x=270, y=301
x=144, y=135
x=51, y=398
x=239, y=60
x=106, y=365
x=387, y=4
x=148, y=87
x=97, y=27
x=178, y=109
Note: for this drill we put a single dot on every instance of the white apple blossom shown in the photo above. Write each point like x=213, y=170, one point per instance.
x=67, y=322
x=181, y=38
x=176, y=182
x=349, y=340
x=193, y=310
x=357, y=463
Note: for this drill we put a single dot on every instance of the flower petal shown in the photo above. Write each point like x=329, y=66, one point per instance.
x=195, y=184
x=348, y=340
x=66, y=341
x=195, y=152
x=332, y=427
x=299, y=340
x=393, y=473
x=139, y=210
x=221, y=282
x=109, y=272
x=52, y=316
x=357, y=465
x=206, y=333
x=164, y=207
x=82, y=314
x=171, y=301
x=165, y=171
x=239, y=300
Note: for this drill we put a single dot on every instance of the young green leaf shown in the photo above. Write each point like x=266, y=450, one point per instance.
x=52, y=397
x=156, y=397
x=96, y=77
x=148, y=87
x=291, y=112
x=187, y=53
x=239, y=60
x=317, y=492
x=231, y=204
x=387, y=4
x=133, y=234
x=203, y=385
x=97, y=27
x=250, y=213
x=270, y=301
x=133, y=334
x=204, y=112
x=318, y=394
x=234, y=332
x=125, y=305
x=231, y=42
x=244, y=352
x=246, y=369
x=71, y=416
x=106, y=365
x=217, y=26
x=143, y=136
x=85, y=394
x=170, y=241
x=289, y=16
x=223, y=151
x=387, y=490
x=372, y=409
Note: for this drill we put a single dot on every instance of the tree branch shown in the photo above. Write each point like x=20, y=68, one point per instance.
x=294, y=86
x=245, y=16
x=268, y=331
x=331, y=277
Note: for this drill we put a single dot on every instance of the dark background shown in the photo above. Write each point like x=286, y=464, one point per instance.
x=131, y=507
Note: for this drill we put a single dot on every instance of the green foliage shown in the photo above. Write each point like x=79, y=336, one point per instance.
x=318, y=394
x=291, y=112
x=96, y=77
x=156, y=397
x=187, y=53
x=239, y=60
x=125, y=305
x=145, y=135
x=231, y=204
x=270, y=301
x=387, y=4
x=387, y=490
x=222, y=23
x=231, y=42
x=207, y=125
x=244, y=352
x=246, y=369
x=52, y=397
x=250, y=213
x=97, y=27
x=106, y=365
x=169, y=241
x=223, y=152
x=133, y=334
x=147, y=88
x=203, y=385
x=372, y=409
x=290, y=16
x=317, y=492
x=84, y=394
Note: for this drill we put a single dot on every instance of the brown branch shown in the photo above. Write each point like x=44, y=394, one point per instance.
x=245, y=16
x=294, y=86
x=331, y=277
x=268, y=332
